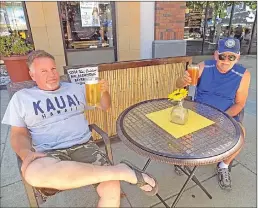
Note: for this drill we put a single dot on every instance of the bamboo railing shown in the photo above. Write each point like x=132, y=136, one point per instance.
x=132, y=82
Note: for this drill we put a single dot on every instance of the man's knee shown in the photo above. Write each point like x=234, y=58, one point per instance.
x=35, y=172
x=109, y=189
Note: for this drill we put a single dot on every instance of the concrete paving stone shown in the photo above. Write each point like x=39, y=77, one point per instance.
x=248, y=155
x=248, y=160
x=252, y=95
x=81, y=197
x=4, y=133
x=4, y=96
x=3, y=109
x=2, y=151
x=9, y=167
x=4, y=128
x=250, y=125
x=14, y=195
x=243, y=193
x=253, y=84
x=3, y=145
x=169, y=182
x=250, y=107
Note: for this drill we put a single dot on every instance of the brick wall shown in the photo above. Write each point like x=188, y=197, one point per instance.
x=169, y=20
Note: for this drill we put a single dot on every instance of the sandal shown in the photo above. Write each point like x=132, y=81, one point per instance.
x=140, y=181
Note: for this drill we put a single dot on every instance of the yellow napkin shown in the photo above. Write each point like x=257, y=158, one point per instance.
x=195, y=122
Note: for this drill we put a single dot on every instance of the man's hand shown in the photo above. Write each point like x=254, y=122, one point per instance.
x=184, y=81
x=103, y=85
x=31, y=156
x=186, y=78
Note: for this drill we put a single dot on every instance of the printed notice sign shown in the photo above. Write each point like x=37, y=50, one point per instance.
x=81, y=75
x=89, y=14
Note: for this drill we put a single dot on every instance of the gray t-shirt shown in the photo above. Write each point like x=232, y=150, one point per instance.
x=55, y=119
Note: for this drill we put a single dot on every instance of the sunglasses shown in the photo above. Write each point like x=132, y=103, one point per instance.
x=223, y=57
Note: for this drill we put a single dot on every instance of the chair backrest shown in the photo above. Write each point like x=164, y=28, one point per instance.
x=132, y=82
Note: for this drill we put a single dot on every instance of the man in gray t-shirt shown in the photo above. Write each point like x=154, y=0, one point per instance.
x=50, y=134
x=45, y=113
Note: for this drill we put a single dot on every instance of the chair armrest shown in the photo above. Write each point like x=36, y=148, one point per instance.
x=106, y=140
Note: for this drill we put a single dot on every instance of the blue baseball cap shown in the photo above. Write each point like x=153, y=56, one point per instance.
x=229, y=45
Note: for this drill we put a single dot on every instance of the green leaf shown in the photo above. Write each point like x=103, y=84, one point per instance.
x=14, y=45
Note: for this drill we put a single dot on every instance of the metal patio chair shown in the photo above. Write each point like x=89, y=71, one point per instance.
x=35, y=196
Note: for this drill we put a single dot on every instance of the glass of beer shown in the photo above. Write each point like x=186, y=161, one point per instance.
x=193, y=70
x=93, y=93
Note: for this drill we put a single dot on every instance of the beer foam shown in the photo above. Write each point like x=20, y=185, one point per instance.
x=92, y=81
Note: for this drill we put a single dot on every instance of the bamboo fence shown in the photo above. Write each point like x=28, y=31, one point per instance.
x=142, y=80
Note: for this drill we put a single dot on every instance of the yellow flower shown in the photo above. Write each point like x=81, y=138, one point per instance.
x=178, y=95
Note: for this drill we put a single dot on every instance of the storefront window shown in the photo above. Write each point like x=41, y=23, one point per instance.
x=13, y=18
x=86, y=24
x=194, y=26
x=193, y=20
x=207, y=22
x=242, y=24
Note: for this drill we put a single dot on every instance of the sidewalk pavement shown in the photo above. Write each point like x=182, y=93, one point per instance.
x=244, y=173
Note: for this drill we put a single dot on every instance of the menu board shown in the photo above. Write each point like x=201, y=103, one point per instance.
x=83, y=74
x=193, y=19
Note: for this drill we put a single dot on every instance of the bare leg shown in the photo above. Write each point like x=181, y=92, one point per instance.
x=109, y=193
x=232, y=157
x=51, y=173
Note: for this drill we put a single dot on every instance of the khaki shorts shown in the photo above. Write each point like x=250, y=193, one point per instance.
x=85, y=153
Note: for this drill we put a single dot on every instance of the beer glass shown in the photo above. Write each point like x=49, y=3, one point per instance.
x=93, y=94
x=193, y=70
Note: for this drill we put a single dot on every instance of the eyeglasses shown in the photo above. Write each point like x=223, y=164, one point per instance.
x=223, y=57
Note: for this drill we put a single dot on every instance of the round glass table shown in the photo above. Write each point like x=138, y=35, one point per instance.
x=208, y=145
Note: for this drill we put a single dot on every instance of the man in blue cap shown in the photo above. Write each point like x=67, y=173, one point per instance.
x=224, y=85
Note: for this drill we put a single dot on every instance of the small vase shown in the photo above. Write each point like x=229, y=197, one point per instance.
x=179, y=114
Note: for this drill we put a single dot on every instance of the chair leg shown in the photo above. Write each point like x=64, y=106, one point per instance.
x=30, y=194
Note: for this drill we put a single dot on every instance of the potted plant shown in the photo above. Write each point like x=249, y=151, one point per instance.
x=13, y=51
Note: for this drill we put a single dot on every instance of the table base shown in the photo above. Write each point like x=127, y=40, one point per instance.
x=190, y=173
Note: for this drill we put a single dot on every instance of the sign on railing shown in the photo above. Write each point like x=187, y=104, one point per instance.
x=83, y=74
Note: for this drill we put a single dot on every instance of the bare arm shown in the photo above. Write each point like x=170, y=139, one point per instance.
x=21, y=144
x=21, y=141
x=241, y=95
x=185, y=80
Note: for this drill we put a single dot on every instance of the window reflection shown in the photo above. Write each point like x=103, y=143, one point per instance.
x=86, y=24
x=220, y=23
x=12, y=18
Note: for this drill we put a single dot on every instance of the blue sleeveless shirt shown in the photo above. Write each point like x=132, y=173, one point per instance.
x=219, y=89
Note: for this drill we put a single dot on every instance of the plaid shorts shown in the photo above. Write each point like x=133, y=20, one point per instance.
x=87, y=153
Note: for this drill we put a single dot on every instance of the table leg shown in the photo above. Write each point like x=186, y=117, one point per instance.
x=146, y=164
x=184, y=186
x=166, y=205
x=144, y=168
x=198, y=183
